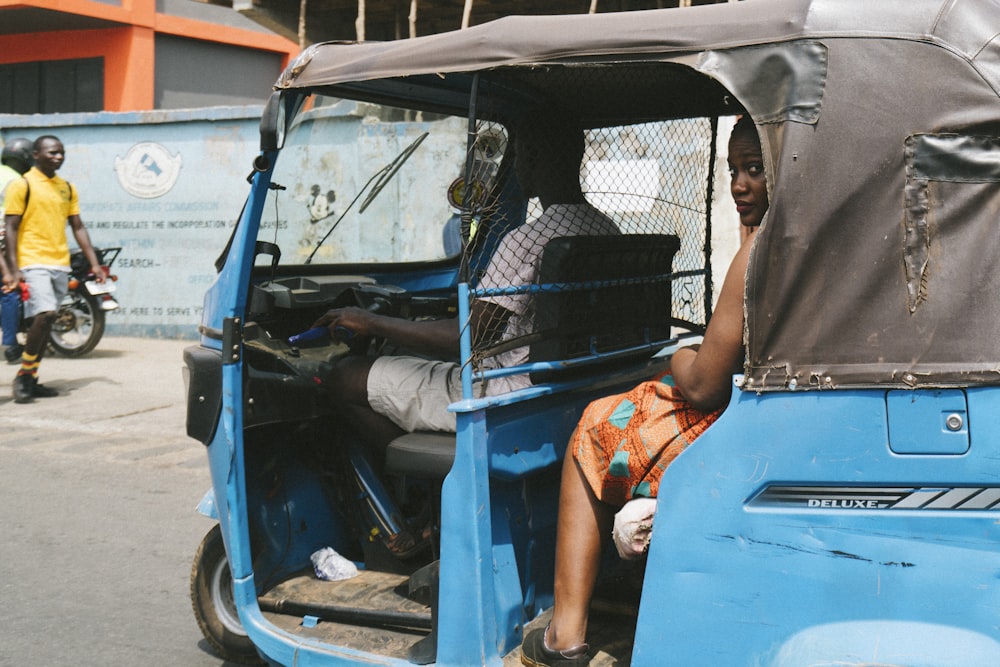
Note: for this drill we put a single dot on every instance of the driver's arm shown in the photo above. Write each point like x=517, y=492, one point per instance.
x=436, y=337
x=439, y=338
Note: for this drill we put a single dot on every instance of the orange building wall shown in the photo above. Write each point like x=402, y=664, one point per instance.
x=128, y=52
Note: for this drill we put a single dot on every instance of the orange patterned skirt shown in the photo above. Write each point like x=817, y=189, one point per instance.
x=623, y=443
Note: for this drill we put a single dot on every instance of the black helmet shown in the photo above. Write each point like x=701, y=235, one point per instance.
x=17, y=153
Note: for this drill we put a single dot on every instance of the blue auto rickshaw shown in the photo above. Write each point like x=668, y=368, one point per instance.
x=842, y=511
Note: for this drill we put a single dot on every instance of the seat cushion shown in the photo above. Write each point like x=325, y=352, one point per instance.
x=422, y=453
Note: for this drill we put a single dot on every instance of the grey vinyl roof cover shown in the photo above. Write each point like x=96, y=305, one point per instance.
x=878, y=262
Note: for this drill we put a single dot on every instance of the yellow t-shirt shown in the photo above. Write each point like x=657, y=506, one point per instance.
x=7, y=176
x=41, y=238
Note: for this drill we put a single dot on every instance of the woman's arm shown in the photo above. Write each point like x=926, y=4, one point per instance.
x=704, y=374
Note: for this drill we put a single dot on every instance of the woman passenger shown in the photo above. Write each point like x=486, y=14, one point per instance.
x=623, y=443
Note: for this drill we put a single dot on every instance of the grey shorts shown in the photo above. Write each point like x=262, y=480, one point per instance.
x=415, y=393
x=46, y=290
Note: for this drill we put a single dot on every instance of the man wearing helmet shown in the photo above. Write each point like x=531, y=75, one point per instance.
x=15, y=161
x=36, y=211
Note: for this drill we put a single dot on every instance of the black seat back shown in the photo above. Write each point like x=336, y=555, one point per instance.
x=617, y=295
x=614, y=292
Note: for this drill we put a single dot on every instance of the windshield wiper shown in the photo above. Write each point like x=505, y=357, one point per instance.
x=382, y=176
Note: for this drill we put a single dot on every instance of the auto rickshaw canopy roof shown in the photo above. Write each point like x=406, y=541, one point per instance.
x=878, y=262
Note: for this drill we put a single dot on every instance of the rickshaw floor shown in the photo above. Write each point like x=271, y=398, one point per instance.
x=334, y=603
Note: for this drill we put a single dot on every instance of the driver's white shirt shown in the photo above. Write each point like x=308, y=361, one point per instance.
x=516, y=262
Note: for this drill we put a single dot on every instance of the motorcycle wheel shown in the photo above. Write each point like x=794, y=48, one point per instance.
x=213, y=604
x=79, y=325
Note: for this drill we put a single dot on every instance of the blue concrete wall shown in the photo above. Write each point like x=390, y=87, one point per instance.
x=167, y=187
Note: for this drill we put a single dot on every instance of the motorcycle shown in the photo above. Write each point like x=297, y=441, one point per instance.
x=79, y=323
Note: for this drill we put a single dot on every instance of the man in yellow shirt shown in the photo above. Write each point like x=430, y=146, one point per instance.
x=37, y=209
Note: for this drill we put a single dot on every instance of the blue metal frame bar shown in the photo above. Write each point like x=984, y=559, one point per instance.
x=474, y=404
x=589, y=284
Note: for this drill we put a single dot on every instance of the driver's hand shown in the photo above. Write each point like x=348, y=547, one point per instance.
x=355, y=321
x=100, y=275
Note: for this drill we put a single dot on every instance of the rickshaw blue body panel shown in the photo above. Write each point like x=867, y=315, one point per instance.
x=851, y=581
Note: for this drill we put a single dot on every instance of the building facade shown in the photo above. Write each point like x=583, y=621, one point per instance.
x=133, y=55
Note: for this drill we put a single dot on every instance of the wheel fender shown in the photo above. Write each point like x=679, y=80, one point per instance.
x=207, y=505
x=893, y=643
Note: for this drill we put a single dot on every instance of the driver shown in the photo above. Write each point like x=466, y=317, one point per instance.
x=389, y=395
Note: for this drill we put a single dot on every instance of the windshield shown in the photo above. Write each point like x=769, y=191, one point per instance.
x=363, y=183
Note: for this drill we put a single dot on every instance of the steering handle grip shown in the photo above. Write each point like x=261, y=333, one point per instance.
x=316, y=333
x=308, y=335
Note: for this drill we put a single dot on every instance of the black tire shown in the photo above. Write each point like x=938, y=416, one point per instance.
x=78, y=326
x=213, y=605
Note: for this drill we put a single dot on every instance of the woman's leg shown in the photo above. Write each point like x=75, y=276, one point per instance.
x=583, y=522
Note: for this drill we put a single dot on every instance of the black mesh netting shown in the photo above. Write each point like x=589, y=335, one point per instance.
x=638, y=193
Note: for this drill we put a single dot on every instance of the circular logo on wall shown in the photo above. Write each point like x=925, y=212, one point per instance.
x=148, y=170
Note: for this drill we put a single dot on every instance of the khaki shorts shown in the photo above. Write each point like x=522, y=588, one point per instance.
x=46, y=289
x=415, y=393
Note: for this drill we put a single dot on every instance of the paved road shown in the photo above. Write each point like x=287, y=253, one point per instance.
x=97, y=494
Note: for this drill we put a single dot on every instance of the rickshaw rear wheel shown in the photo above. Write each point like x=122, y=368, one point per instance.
x=213, y=603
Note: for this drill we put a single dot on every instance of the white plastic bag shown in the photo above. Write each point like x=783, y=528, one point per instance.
x=331, y=566
x=633, y=526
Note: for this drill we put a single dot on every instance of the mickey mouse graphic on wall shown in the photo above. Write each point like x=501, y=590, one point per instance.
x=320, y=204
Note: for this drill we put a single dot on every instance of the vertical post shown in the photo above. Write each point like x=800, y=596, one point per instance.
x=709, y=196
x=468, y=622
x=302, y=25
x=413, y=18
x=593, y=7
x=465, y=339
x=359, y=23
x=466, y=13
x=467, y=213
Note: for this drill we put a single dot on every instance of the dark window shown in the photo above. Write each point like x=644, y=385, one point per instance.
x=52, y=86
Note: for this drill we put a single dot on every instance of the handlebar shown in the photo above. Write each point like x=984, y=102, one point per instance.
x=315, y=333
x=373, y=298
